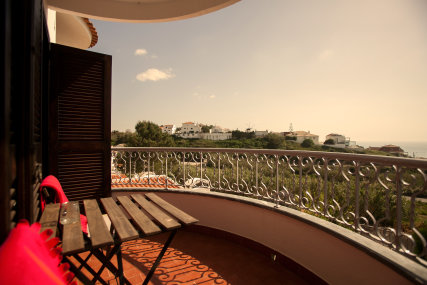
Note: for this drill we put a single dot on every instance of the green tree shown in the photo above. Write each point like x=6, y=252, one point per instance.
x=206, y=128
x=239, y=135
x=127, y=138
x=329, y=141
x=150, y=134
x=114, y=137
x=274, y=141
x=307, y=143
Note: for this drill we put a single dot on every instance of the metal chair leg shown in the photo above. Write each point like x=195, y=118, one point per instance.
x=159, y=257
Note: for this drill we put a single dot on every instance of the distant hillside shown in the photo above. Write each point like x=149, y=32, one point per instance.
x=148, y=134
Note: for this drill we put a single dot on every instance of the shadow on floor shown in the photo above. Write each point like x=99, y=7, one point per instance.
x=195, y=258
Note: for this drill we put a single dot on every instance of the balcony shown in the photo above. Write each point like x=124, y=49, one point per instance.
x=203, y=257
x=329, y=217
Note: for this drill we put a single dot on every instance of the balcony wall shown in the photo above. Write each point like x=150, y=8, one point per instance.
x=331, y=252
x=339, y=215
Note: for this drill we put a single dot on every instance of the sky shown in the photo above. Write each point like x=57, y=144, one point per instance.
x=354, y=67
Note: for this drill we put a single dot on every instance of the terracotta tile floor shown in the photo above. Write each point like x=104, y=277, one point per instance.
x=195, y=258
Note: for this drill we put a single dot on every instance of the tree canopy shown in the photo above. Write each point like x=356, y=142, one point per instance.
x=127, y=138
x=274, y=141
x=238, y=135
x=206, y=128
x=307, y=143
x=150, y=134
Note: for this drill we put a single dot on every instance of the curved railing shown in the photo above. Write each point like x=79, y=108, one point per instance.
x=376, y=196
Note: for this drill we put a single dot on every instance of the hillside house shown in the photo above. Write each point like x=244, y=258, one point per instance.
x=300, y=136
x=168, y=129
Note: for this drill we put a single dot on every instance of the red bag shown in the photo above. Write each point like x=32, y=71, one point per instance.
x=52, y=183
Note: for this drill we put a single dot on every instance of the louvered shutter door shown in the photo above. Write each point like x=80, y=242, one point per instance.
x=80, y=122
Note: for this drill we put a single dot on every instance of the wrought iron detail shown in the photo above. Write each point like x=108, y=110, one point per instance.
x=375, y=196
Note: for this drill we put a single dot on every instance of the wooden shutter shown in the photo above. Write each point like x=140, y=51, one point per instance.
x=23, y=42
x=80, y=122
x=5, y=95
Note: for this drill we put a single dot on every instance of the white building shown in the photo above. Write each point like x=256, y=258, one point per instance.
x=216, y=134
x=303, y=135
x=190, y=128
x=261, y=133
x=169, y=129
x=190, y=135
x=217, y=129
x=340, y=141
x=337, y=138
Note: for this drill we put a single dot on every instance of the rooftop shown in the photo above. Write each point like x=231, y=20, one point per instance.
x=93, y=32
x=302, y=133
x=391, y=146
x=155, y=181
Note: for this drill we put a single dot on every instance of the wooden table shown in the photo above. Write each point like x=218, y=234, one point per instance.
x=129, y=221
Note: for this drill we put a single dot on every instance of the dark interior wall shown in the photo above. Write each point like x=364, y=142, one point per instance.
x=5, y=163
x=27, y=43
x=23, y=42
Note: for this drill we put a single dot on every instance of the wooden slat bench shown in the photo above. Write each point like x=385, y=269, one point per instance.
x=123, y=214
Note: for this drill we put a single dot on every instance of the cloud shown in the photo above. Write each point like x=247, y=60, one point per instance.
x=325, y=54
x=203, y=96
x=154, y=74
x=140, y=51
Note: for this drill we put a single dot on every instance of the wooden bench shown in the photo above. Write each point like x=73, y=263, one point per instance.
x=124, y=214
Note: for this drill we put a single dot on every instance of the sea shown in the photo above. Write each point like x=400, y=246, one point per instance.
x=414, y=149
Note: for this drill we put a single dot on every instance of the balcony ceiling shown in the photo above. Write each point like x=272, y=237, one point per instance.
x=75, y=31
x=138, y=11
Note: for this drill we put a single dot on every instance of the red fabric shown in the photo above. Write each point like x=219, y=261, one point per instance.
x=28, y=257
x=83, y=222
x=53, y=183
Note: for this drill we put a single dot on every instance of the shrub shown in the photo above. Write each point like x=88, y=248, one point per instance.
x=307, y=143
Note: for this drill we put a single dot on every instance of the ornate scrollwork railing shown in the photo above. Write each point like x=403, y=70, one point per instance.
x=376, y=196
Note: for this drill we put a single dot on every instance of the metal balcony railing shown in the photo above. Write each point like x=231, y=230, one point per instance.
x=376, y=196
